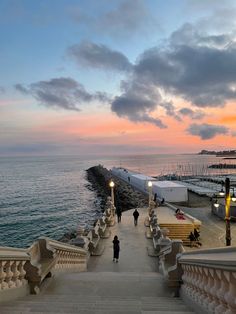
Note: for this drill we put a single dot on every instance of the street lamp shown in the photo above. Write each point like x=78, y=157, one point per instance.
x=227, y=212
x=228, y=198
x=233, y=197
x=150, y=192
x=112, y=184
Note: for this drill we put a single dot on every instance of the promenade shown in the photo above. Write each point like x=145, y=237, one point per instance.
x=131, y=286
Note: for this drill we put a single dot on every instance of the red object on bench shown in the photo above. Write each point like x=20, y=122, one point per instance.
x=180, y=216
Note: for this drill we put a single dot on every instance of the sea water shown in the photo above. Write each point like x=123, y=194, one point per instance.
x=49, y=196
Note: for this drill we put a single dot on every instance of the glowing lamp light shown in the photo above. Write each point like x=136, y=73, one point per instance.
x=149, y=184
x=216, y=204
x=112, y=184
x=222, y=193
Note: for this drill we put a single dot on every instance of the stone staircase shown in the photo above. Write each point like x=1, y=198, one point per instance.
x=178, y=231
x=101, y=293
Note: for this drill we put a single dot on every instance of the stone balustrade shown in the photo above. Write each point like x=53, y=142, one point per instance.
x=12, y=272
x=67, y=256
x=209, y=280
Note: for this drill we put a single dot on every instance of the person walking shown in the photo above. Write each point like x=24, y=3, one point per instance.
x=116, y=249
x=119, y=214
x=118, y=206
x=136, y=215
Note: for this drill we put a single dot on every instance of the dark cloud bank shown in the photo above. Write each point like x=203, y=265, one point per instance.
x=61, y=92
x=195, y=66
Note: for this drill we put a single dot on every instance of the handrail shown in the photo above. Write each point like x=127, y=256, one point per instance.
x=9, y=253
x=220, y=258
x=64, y=246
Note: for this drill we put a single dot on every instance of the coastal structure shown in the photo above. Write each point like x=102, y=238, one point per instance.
x=205, y=279
x=170, y=191
x=156, y=272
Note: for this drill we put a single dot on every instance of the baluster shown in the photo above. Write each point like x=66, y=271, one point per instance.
x=208, y=289
x=15, y=274
x=190, y=281
x=222, y=307
x=194, y=282
x=200, y=285
x=22, y=272
x=230, y=296
x=3, y=284
x=185, y=278
x=9, y=274
x=213, y=291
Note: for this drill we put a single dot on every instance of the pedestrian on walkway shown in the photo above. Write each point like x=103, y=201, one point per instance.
x=116, y=249
x=118, y=206
x=119, y=214
x=136, y=215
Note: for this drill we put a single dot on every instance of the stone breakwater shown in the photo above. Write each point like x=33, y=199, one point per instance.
x=125, y=196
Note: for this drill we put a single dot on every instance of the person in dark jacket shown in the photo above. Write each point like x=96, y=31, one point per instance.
x=192, y=238
x=119, y=214
x=196, y=234
x=116, y=249
x=118, y=207
x=136, y=215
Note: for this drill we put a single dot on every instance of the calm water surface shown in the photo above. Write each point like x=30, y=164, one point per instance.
x=48, y=196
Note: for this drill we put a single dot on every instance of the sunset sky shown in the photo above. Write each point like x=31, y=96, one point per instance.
x=117, y=77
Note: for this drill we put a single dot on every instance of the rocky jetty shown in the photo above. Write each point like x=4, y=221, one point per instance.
x=125, y=196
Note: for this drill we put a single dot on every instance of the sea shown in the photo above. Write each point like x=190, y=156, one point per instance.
x=50, y=196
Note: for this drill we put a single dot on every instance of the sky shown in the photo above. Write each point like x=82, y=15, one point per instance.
x=116, y=77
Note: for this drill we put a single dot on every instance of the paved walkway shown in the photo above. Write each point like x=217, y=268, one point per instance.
x=131, y=286
x=133, y=245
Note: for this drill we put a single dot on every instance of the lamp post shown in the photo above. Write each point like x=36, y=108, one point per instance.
x=150, y=192
x=227, y=212
x=228, y=198
x=112, y=184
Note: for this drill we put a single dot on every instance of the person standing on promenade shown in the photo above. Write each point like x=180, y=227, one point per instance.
x=136, y=215
x=119, y=214
x=116, y=249
x=118, y=207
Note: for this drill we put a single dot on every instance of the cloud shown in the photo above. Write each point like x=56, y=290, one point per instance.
x=137, y=102
x=2, y=90
x=22, y=89
x=99, y=56
x=202, y=75
x=118, y=19
x=207, y=131
x=61, y=92
x=129, y=17
x=195, y=115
